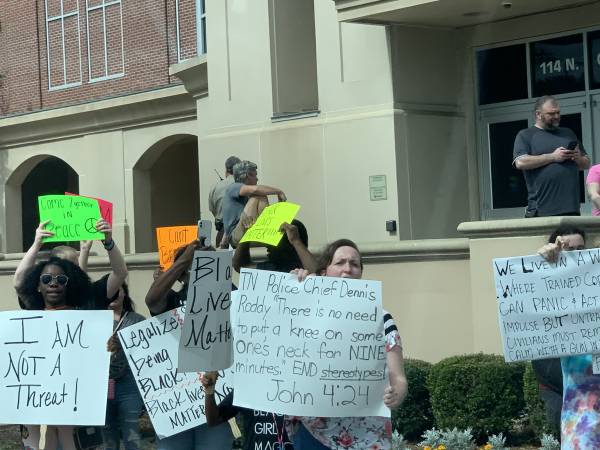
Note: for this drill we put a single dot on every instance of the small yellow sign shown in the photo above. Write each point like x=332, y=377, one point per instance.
x=266, y=228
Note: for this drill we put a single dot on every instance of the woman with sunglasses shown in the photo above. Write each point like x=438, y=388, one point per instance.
x=342, y=259
x=52, y=285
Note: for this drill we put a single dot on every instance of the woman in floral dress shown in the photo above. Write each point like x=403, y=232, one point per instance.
x=342, y=259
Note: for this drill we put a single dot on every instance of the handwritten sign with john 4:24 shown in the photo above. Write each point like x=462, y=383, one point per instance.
x=314, y=348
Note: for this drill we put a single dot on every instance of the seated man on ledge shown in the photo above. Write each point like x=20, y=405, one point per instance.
x=244, y=201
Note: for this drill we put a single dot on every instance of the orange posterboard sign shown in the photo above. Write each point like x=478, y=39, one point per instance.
x=170, y=239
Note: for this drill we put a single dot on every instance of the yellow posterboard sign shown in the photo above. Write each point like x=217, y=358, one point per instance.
x=170, y=239
x=266, y=228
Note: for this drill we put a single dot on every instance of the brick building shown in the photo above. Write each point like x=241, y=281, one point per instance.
x=63, y=52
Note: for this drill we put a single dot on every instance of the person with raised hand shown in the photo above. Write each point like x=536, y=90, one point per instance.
x=161, y=297
x=104, y=289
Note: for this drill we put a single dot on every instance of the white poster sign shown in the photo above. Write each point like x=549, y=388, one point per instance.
x=174, y=400
x=54, y=367
x=314, y=348
x=548, y=310
x=206, y=340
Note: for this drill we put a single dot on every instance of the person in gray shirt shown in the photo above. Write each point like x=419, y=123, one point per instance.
x=244, y=201
x=550, y=157
x=217, y=193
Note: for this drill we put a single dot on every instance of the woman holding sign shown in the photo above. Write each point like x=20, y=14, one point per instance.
x=342, y=259
x=580, y=413
x=55, y=284
x=125, y=404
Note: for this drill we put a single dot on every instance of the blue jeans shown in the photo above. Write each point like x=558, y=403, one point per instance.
x=199, y=438
x=122, y=416
x=303, y=440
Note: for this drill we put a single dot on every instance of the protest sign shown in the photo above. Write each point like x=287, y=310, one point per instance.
x=174, y=400
x=106, y=208
x=54, y=367
x=315, y=348
x=206, y=341
x=266, y=227
x=71, y=218
x=547, y=310
x=170, y=239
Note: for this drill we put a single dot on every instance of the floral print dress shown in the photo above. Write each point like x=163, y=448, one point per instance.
x=352, y=433
x=580, y=417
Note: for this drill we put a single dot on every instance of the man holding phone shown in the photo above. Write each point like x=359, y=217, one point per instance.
x=550, y=157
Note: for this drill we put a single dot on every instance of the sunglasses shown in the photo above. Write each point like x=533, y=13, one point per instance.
x=60, y=279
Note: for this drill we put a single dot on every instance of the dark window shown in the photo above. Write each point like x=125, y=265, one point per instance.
x=508, y=185
x=50, y=176
x=557, y=66
x=573, y=121
x=594, y=59
x=502, y=74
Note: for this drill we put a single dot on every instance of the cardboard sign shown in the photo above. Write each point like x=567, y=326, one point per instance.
x=315, y=348
x=174, y=400
x=170, y=239
x=548, y=310
x=266, y=228
x=54, y=367
x=206, y=340
x=71, y=218
x=106, y=208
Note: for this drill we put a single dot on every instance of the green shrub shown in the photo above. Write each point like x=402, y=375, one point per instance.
x=478, y=391
x=414, y=416
x=534, y=405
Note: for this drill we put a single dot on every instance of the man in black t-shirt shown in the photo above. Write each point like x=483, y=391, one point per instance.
x=262, y=430
x=550, y=157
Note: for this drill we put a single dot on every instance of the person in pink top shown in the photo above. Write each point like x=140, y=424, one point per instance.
x=592, y=183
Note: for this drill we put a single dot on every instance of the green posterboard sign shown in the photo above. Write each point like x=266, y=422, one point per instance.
x=71, y=218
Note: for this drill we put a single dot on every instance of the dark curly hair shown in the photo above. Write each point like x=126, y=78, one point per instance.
x=78, y=292
x=327, y=254
x=565, y=230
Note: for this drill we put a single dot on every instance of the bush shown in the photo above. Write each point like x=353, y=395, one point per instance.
x=478, y=391
x=414, y=416
x=534, y=405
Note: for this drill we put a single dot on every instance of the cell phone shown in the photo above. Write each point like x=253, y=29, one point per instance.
x=571, y=145
x=204, y=229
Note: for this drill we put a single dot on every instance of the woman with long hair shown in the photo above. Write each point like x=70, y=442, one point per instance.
x=343, y=259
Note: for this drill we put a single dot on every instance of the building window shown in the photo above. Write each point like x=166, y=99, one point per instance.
x=509, y=79
x=497, y=83
x=62, y=44
x=106, y=58
x=201, y=27
x=190, y=27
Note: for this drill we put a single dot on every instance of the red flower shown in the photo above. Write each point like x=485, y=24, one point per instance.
x=388, y=428
x=345, y=439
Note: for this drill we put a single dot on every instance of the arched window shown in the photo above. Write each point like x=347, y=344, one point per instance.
x=166, y=188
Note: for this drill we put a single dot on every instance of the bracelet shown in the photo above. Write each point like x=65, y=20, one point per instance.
x=210, y=390
x=108, y=246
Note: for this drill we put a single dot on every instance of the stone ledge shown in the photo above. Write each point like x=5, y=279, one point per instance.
x=526, y=227
x=401, y=251
x=194, y=74
x=158, y=105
